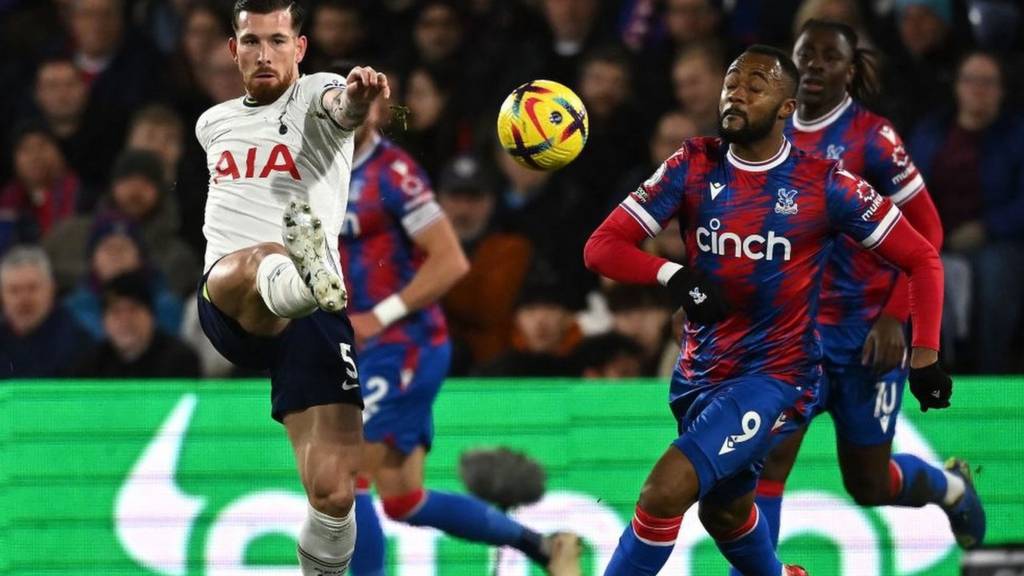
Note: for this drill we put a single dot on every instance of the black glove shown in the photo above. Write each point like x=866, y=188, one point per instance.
x=700, y=298
x=931, y=386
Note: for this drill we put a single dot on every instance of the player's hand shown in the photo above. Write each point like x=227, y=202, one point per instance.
x=885, y=347
x=928, y=382
x=700, y=298
x=366, y=326
x=364, y=84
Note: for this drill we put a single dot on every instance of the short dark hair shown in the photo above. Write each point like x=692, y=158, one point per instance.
x=293, y=7
x=788, y=67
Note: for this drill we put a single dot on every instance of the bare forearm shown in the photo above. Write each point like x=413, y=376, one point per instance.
x=435, y=277
x=348, y=113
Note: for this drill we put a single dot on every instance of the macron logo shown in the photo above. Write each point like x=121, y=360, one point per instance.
x=716, y=188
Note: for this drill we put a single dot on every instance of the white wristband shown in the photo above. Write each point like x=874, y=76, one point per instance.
x=390, y=310
x=667, y=270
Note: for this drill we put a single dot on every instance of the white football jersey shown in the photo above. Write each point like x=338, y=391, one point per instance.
x=255, y=170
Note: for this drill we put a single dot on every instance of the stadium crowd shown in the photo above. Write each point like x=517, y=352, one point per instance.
x=102, y=184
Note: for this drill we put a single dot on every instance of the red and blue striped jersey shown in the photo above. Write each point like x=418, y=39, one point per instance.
x=762, y=232
x=857, y=283
x=390, y=201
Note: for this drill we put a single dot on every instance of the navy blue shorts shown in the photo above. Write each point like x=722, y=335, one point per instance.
x=401, y=384
x=864, y=405
x=727, y=429
x=311, y=362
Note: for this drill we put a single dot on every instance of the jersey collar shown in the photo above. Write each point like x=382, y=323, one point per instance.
x=764, y=166
x=362, y=158
x=824, y=121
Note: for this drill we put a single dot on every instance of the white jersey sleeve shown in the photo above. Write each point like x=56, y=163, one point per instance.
x=260, y=157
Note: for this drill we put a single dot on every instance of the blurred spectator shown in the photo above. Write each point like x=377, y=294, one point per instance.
x=556, y=214
x=337, y=32
x=642, y=313
x=973, y=161
x=219, y=77
x=158, y=129
x=120, y=66
x=612, y=143
x=480, y=307
x=38, y=339
x=433, y=127
x=61, y=96
x=697, y=76
x=134, y=347
x=114, y=248
x=438, y=33
x=685, y=24
x=572, y=28
x=44, y=190
x=204, y=30
x=609, y=356
x=545, y=332
x=922, y=73
x=160, y=21
x=671, y=130
x=138, y=195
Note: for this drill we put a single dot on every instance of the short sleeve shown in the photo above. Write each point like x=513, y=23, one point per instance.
x=201, y=136
x=406, y=194
x=888, y=164
x=658, y=199
x=857, y=210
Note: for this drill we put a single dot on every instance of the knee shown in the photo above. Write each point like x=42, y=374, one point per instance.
x=661, y=501
x=867, y=491
x=235, y=273
x=722, y=522
x=334, y=498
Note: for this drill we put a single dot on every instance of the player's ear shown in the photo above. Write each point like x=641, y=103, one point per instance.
x=233, y=47
x=300, y=48
x=787, y=109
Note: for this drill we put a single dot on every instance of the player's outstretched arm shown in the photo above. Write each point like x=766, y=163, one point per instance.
x=444, y=265
x=349, y=106
x=613, y=251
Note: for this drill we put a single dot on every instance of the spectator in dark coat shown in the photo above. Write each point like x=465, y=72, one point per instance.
x=134, y=347
x=38, y=339
x=973, y=161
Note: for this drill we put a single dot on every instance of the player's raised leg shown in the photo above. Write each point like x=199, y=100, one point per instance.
x=326, y=441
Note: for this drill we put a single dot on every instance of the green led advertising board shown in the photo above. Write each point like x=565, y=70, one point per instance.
x=195, y=479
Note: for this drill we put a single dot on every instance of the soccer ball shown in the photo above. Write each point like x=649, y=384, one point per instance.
x=543, y=125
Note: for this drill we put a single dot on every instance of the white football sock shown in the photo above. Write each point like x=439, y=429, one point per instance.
x=282, y=288
x=326, y=543
x=954, y=489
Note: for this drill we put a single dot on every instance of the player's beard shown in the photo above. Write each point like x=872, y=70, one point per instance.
x=751, y=131
x=268, y=92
